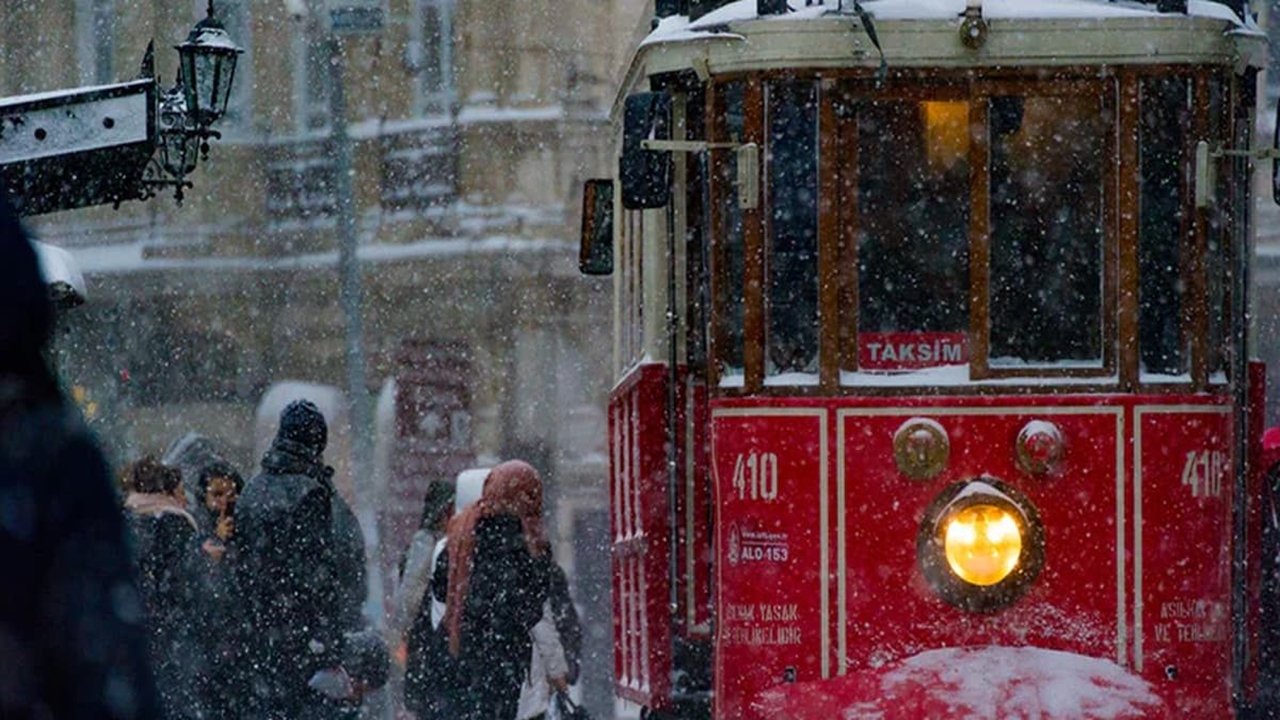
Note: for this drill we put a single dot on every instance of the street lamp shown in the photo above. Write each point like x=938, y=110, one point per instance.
x=206, y=69
x=208, y=65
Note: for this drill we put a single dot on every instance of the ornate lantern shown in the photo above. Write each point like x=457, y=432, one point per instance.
x=208, y=66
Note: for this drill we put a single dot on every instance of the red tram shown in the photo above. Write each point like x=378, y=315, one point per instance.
x=933, y=395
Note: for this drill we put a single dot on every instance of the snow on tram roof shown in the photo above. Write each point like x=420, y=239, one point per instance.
x=679, y=27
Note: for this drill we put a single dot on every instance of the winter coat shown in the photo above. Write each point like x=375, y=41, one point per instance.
x=414, y=579
x=430, y=671
x=288, y=582
x=548, y=661
x=508, y=587
x=72, y=640
x=557, y=646
x=164, y=539
x=72, y=635
x=349, y=555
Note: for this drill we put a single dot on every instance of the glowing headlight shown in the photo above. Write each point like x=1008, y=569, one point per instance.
x=981, y=545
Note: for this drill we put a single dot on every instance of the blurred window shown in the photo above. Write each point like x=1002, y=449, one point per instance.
x=1165, y=115
x=729, y=259
x=1046, y=175
x=95, y=30
x=430, y=54
x=791, y=261
x=913, y=205
x=311, y=74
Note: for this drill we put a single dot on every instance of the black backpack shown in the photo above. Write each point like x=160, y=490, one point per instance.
x=430, y=677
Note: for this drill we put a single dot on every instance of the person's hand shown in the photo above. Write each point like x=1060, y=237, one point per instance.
x=213, y=549
x=226, y=527
x=559, y=684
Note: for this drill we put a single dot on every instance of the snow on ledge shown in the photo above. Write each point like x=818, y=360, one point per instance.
x=678, y=27
x=992, y=682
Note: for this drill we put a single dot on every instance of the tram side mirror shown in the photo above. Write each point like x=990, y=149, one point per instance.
x=595, y=253
x=645, y=174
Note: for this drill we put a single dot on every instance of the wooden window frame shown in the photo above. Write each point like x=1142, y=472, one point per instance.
x=1118, y=91
x=1106, y=90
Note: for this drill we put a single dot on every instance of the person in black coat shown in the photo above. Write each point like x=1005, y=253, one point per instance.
x=289, y=574
x=496, y=574
x=218, y=487
x=72, y=639
x=164, y=535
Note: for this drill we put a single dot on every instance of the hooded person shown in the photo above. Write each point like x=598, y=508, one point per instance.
x=296, y=572
x=495, y=576
x=72, y=637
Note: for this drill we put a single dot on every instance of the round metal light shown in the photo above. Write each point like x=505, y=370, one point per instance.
x=1039, y=447
x=981, y=545
x=208, y=66
x=921, y=448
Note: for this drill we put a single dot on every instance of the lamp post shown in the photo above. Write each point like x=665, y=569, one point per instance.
x=206, y=69
x=351, y=17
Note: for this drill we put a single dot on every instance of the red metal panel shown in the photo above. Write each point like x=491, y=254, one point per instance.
x=823, y=577
x=641, y=544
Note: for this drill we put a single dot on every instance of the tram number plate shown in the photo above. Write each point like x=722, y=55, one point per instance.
x=1203, y=472
x=756, y=475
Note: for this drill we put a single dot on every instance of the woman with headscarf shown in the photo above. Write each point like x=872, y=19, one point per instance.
x=495, y=575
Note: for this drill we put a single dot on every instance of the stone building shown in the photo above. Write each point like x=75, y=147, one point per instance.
x=473, y=124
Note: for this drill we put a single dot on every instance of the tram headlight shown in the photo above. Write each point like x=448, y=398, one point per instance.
x=981, y=545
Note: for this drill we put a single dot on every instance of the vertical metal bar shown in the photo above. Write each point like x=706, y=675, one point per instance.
x=1243, y=101
x=1127, y=255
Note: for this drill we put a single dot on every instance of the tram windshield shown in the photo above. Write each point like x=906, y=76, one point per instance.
x=970, y=231
x=913, y=225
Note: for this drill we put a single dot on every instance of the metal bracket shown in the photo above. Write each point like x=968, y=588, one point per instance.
x=686, y=145
x=748, y=157
x=1205, y=172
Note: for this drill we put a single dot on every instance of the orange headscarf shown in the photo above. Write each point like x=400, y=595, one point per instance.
x=512, y=488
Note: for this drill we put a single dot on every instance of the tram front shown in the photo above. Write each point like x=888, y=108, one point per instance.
x=956, y=301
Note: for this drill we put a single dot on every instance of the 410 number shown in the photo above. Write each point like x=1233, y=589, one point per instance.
x=756, y=475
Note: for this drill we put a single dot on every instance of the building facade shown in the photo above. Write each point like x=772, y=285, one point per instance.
x=473, y=124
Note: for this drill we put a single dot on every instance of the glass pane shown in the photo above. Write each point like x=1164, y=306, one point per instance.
x=731, y=244
x=1164, y=107
x=913, y=233
x=1217, y=263
x=432, y=49
x=792, y=258
x=1046, y=229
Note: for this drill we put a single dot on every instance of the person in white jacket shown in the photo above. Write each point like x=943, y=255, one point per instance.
x=548, y=669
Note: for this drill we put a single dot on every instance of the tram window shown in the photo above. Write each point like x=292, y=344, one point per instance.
x=731, y=253
x=1164, y=117
x=1218, y=235
x=1046, y=176
x=792, y=258
x=913, y=232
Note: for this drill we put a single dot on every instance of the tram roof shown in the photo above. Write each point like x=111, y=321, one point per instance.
x=736, y=38
x=678, y=27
